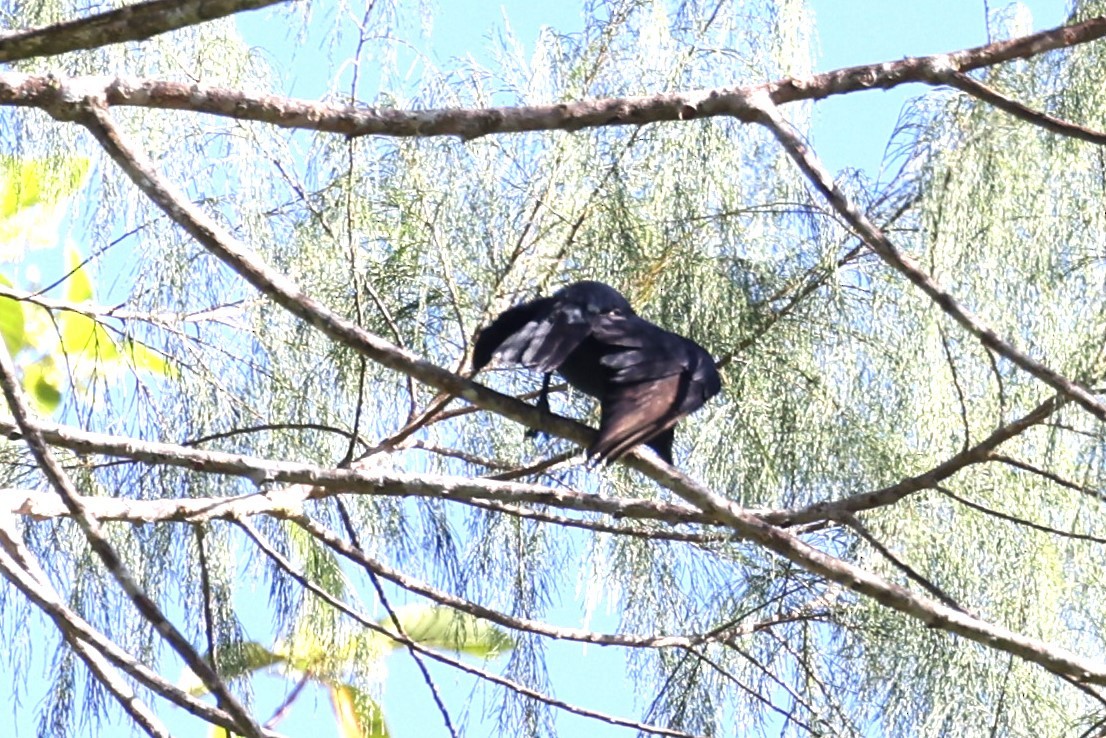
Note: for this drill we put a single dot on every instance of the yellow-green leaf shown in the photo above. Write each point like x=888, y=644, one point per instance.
x=357, y=714
x=78, y=283
x=42, y=381
x=147, y=359
x=12, y=321
x=34, y=194
x=85, y=339
x=27, y=182
x=448, y=629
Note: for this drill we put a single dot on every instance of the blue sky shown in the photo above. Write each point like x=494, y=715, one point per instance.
x=849, y=131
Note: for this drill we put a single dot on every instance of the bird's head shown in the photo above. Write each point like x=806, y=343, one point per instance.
x=594, y=297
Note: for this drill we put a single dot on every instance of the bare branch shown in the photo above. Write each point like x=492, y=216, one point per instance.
x=317, y=483
x=128, y=23
x=981, y=452
x=90, y=526
x=862, y=530
x=1054, y=478
x=809, y=164
x=31, y=580
x=19, y=566
x=1016, y=520
x=975, y=88
x=411, y=584
x=56, y=94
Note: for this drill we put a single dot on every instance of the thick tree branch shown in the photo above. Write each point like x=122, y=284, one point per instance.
x=128, y=23
x=54, y=94
x=315, y=482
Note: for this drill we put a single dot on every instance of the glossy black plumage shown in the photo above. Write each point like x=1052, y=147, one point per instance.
x=646, y=378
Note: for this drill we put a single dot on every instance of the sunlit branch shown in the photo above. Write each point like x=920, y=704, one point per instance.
x=222, y=314
x=1018, y=521
x=397, y=624
x=369, y=623
x=1097, y=494
x=979, y=453
x=54, y=94
x=90, y=527
x=655, y=534
x=819, y=176
x=128, y=23
x=480, y=611
x=17, y=564
x=317, y=483
x=862, y=530
x=32, y=582
x=975, y=88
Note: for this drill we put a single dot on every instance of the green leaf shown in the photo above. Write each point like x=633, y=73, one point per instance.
x=83, y=339
x=78, y=283
x=43, y=382
x=28, y=182
x=357, y=714
x=233, y=660
x=12, y=321
x=448, y=629
x=144, y=358
x=34, y=194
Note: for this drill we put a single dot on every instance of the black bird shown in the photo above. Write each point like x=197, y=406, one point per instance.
x=646, y=378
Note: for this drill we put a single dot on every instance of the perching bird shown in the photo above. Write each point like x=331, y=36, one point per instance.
x=646, y=378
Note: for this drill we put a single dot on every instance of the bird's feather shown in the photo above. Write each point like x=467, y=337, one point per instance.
x=645, y=377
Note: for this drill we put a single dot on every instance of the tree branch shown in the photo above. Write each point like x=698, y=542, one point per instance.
x=90, y=526
x=29, y=579
x=54, y=94
x=317, y=483
x=979, y=453
x=19, y=566
x=823, y=181
x=128, y=23
x=975, y=88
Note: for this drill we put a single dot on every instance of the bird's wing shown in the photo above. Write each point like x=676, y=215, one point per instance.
x=498, y=337
x=636, y=413
x=656, y=378
x=539, y=334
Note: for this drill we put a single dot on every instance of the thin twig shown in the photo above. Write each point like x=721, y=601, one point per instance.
x=93, y=533
x=368, y=622
x=428, y=680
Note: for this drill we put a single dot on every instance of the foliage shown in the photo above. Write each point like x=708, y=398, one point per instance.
x=840, y=377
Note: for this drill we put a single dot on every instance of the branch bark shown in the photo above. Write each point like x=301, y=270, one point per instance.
x=54, y=94
x=287, y=294
x=128, y=23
